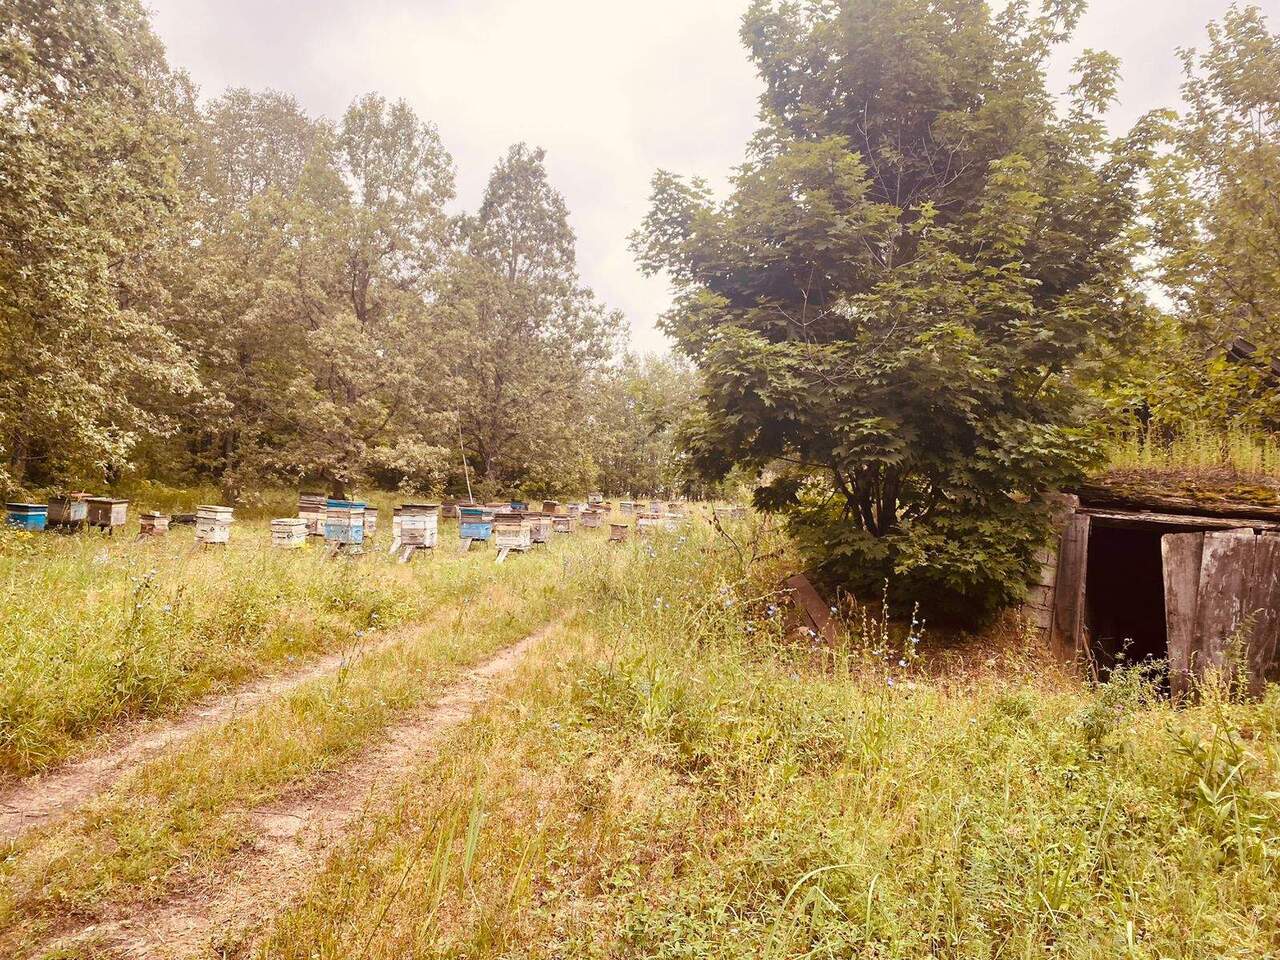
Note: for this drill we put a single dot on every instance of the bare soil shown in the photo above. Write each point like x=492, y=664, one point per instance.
x=222, y=914
x=38, y=800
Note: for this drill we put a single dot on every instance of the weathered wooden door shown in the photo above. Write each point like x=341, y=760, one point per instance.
x=1222, y=604
x=1068, y=633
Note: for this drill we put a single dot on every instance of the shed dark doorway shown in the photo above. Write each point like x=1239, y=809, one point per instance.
x=1125, y=598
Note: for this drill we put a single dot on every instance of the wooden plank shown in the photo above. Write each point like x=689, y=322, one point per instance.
x=1226, y=567
x=1143, y=520
x=1262, y=597
x=1095, y=495
x=815, y=610
x=1067, y=636
x=1182, y=554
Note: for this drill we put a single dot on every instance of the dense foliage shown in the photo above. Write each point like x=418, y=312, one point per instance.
x=891, y=311
x=233, y=291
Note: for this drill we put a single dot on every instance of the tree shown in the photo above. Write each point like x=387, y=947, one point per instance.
x=892, y=309
x=1214, y=209
x=308, y=302
x=88, y=192
x=524, y=336
x=641, y=405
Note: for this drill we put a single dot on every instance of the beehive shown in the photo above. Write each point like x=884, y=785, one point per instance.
x=106, y=513
x=450, y=509
x=591, y=518
x=655, y=507
x=595, y=499
x=69, y=512
x=575, y=510
x=32, y=517
x=550, y=506
x=512, y=531
x=370, y=522
x=288, y=533
x=563, y=524
x=153, y=525
x=213, y=525
x=311, y=508
x=626, y=506
x=539, y=527
x=519, y=506
x=476, y=522
x=419, y=525
x=648, y=522
x=618, y=532
x=673, y=521
x=344, y=523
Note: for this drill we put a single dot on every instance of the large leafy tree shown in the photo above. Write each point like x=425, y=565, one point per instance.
x=308, y=298
x=88, y=194
x=1214, y=209
x=891, y=309
x=524, y=336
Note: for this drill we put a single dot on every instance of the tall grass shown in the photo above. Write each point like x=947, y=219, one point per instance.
x=96, y=630
x=1203, y=448
x=680, y=780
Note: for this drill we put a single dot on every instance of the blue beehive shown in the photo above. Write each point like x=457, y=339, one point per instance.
x=477, y=523
x=26, y=516
x=344, y=522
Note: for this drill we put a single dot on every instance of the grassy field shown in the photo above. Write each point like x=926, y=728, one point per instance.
x=670, y=774
x=99, y=630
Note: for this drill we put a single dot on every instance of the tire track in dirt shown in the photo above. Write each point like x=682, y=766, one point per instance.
x=221, y=914
x=38, y=800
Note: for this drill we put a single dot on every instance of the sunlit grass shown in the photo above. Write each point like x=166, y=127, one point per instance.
x=97, y=630
x=1247, y=453
x=678, y=779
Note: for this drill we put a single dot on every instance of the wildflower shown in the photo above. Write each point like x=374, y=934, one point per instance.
x=902, y=663
x=889, y=681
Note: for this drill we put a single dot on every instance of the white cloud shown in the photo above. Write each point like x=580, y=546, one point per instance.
x=612, y=90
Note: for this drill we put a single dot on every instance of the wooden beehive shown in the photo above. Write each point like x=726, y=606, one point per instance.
x=370, y=522
x=344, y=523
x=591, y=518
x=213, y=525
x=618, y=532
x=648, y=522
x=32, y=517
x=105, y=513
x=595, y=499
x=69, y=512
x=311, y=508
x=539, y=527
x=451, y=509
x=563, y=524
x=626, y=506
x=153, y=525
x=288, y=533
x=476, y=522
x=419, y=525
x=512, y=531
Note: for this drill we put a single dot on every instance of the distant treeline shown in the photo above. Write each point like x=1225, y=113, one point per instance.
x=233, y=291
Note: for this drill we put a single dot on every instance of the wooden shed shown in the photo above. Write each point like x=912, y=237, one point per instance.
x=1191, y=577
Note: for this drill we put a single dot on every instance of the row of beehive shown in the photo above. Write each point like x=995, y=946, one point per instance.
x=349, y=523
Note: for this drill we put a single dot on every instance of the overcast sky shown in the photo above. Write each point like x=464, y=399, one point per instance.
x=613, y=89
